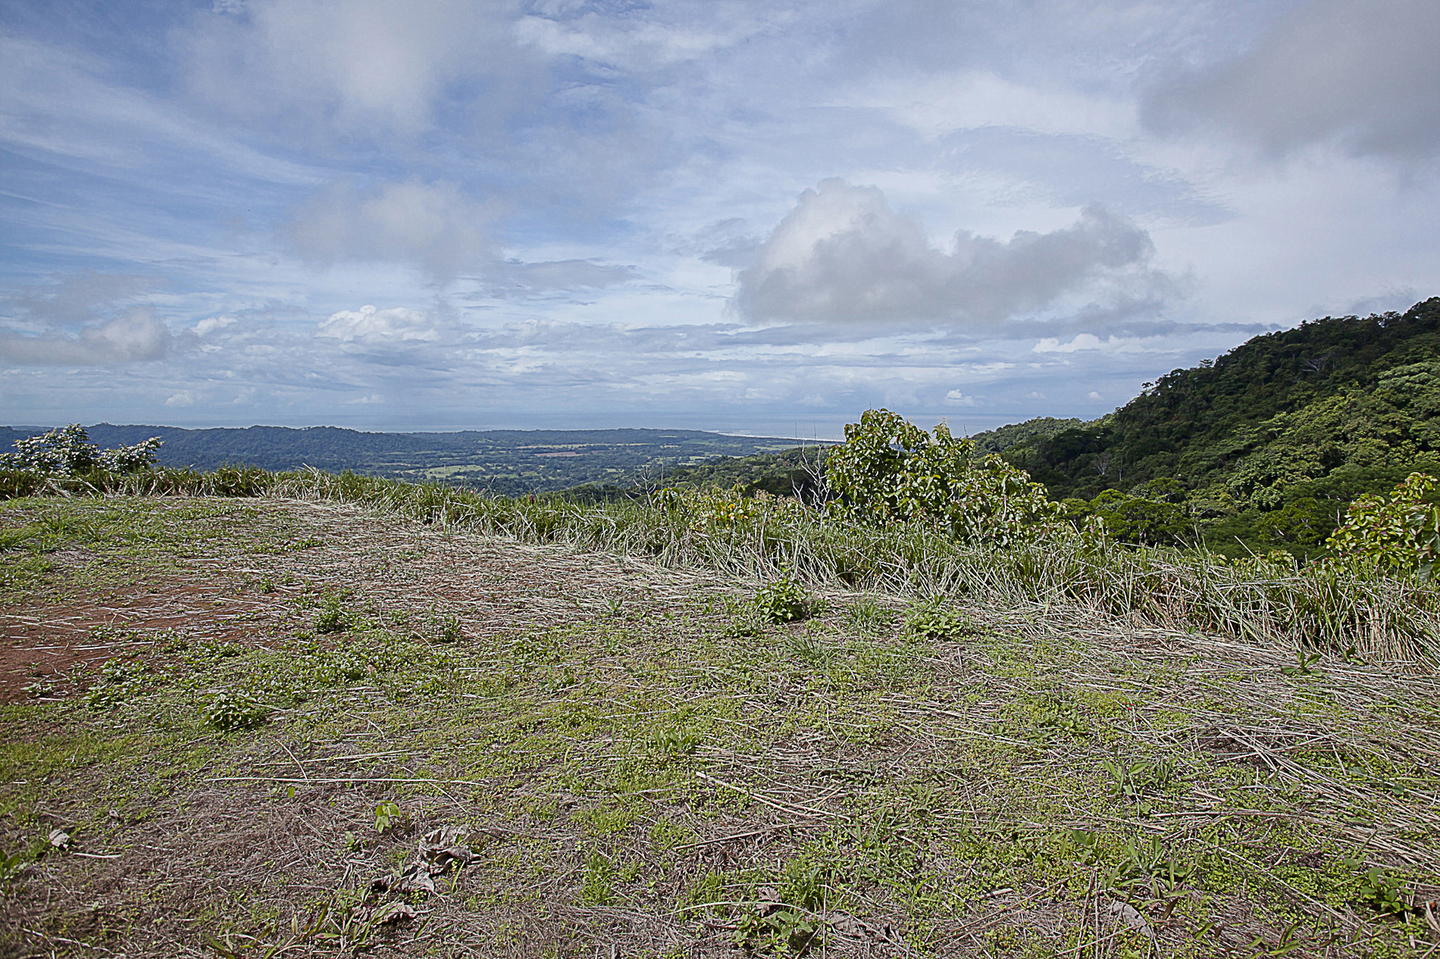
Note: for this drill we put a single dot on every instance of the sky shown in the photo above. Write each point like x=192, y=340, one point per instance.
x=753, y=216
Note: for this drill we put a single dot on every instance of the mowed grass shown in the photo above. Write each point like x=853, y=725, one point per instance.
x=623, y=757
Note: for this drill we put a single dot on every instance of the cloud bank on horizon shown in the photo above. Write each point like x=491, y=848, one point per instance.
x=732, y=214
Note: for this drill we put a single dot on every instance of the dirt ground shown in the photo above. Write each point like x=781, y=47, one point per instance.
x=491, y=748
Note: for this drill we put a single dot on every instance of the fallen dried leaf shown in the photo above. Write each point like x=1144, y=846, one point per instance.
x=1131, y=917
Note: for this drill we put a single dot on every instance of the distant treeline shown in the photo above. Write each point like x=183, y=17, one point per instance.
x=503, y=462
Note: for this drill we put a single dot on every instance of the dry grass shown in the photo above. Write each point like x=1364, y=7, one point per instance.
x=644, y=768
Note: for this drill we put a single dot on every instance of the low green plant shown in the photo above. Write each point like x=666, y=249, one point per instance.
x=1304, y=664
x=788, y=922
x=11, y=864
x=1142, y=862
x=231, y=711
x=118, y=680
x=1134, y=779
x=331, y=617
x=782, y=931
x=783, y=600
x=868, y=614
x=597, y=887
x=1057, y=716
x=387, y=816
x=445, y=628
x=936, y=622
x=1382, y=889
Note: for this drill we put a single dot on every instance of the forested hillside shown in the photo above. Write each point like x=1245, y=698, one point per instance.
x=1261, y=449
x=1264, y=446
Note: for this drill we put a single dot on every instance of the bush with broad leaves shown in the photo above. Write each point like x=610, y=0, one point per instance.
x=891, y=471
x=1399, y=533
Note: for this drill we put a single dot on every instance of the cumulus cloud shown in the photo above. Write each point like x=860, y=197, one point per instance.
x=356, y=66
x=843, y=254
x=370, y=326
x=434, y=227
x=131, y=337
x=211, y=324
x=957, y=398
x=1363, y=72
x=84, y=319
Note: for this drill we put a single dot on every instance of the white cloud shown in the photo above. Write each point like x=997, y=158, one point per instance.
x=1083, y=341
x=1089, y=342
x=957, y=398
x=434, y=227
x=1092, y=395
x=668, y=34
x=133, y=336
x=844, y=254
x=368, y=67
x=941, y=103
x=1360, y=71
x=210, y=324
x=370, y=326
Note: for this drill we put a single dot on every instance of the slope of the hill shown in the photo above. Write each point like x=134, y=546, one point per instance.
x=1266, y=445
x=273, y=727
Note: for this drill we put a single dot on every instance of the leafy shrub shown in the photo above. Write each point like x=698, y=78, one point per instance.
x=1399, y=533
x=890, y=470
x=67, y=451
x=230, y=711
x=785, y=601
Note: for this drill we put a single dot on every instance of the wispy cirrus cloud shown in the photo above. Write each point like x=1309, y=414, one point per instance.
x=313, y=71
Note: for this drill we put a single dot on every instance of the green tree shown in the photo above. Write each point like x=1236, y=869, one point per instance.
x=890, y=470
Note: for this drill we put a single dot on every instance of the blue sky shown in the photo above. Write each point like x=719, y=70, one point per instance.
x=756, y=217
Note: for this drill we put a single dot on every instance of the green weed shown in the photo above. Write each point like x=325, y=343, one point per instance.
x=783, y=600
x=230, y=711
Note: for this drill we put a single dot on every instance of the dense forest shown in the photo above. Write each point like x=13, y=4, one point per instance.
x=1265, y=446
